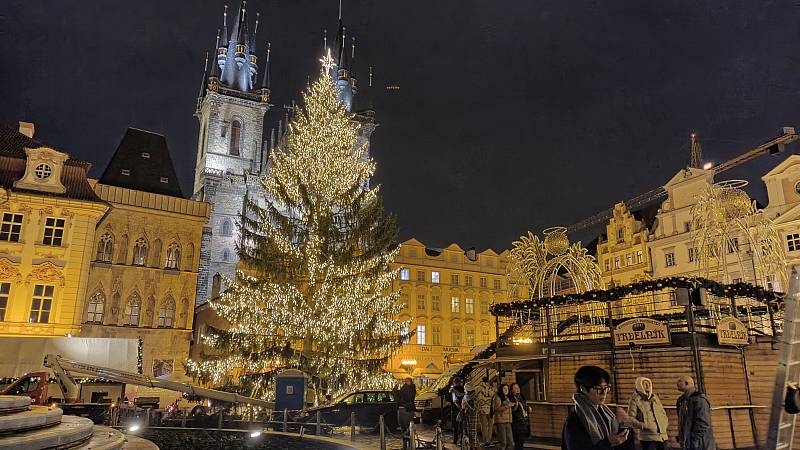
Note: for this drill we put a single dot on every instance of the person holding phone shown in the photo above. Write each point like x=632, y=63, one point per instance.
x=592, y=425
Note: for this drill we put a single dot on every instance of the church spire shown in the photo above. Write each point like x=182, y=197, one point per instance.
x=237, y=58
x=696, y=158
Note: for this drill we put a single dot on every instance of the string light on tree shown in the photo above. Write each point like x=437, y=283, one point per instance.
x=315, y=289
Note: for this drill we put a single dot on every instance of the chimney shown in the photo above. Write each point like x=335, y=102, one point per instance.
x=27, y=128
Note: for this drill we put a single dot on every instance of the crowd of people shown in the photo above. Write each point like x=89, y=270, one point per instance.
x=485, y=416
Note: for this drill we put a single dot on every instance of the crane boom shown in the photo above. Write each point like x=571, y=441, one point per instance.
x=659, y=194
x=63, y=368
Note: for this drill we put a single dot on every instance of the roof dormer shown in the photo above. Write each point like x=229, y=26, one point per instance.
x=43, y=170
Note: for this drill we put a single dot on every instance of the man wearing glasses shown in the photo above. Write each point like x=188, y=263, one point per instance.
x=592, y=425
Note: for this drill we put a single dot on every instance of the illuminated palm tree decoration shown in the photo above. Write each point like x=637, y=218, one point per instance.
x=541, y=262
x=724, y=219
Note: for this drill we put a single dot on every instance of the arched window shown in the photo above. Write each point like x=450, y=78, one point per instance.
x=105, y=248
x=94, y=311
x=140, y=252
x=166, y=314
x=216, y=283
x=132, y=311
x=236, y=137
x=226, y=255
x=226, y=227
x=173, y=256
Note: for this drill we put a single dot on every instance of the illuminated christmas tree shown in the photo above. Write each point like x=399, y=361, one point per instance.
x=314, y=290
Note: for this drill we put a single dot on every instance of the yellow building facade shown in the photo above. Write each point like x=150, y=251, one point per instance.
x=145, y=256
x=48, y=214
x=622, y=250
x=112, y=259
x=446, y=295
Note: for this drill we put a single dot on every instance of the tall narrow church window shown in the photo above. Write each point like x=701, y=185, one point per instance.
x=216, y=285
x=236, y=137
x=140, y=252
x=226, y=227
x=131, y=315
x=94, y=311
x=105, y=248
x=173, y=256
x=166, y=314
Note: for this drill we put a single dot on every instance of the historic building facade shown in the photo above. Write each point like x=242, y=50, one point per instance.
x=232, y=153
x=145, y=255
x=446, y=295
x=622, y=250
x=49, y=212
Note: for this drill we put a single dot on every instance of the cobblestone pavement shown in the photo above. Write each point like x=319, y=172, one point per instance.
x=393, y=440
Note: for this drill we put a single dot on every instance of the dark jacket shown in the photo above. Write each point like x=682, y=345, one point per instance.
x=405, y=398
x=575, y=437
x=694, y=422
x=519, y=416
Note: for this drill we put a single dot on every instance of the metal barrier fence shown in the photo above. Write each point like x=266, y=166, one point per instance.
x=596, y=319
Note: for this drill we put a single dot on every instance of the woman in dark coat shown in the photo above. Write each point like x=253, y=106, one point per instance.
x=519, y=418
x=592, y=425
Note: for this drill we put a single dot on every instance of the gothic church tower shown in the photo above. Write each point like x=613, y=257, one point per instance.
x=231, y=150
x=230, y=156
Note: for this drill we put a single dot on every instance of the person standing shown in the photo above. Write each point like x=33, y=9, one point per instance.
x=592, y=425
x=503, y=404
x=648, y=415
x=456, y=396
x=469, y=415
x=519, y=418
x=694, y=417
x=485, y=419
x=405, y=410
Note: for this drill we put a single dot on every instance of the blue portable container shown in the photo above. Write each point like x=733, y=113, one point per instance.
x=290, y=387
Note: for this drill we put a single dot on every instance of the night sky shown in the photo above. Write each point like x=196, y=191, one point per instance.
x=511, y=115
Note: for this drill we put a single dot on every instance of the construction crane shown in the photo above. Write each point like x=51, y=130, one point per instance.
x=773, y=146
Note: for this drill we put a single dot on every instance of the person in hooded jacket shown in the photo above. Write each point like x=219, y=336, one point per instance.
x=592, y=425
x=648, y=416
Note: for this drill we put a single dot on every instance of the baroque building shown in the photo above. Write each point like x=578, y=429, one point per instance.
x=622, y=250
x=232, y=152
x=48, y=212
x=446, y=295
x=145, y=255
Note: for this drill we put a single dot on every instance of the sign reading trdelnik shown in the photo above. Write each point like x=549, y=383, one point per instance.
x=731, y=331
x=641, y=331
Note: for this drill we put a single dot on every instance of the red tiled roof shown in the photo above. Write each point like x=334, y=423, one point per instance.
x=13, y=160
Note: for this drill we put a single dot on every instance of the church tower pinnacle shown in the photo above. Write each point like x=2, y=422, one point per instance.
x=230, y=153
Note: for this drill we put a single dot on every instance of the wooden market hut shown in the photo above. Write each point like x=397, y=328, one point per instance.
x=723, y=335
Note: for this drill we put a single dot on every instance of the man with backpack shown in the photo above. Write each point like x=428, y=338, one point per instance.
x=694, y=417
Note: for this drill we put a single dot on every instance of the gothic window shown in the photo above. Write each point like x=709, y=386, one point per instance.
x=94, y=311
x=166, y=314
x=173, y=256
x=236, y=138
x=215, y=285
x=226, y=227
x=105, y=248
x=132, y=310
x=226, y=255
x=140, y=252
